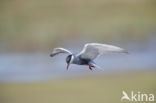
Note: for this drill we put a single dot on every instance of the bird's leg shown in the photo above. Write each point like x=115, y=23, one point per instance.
x=90, y=66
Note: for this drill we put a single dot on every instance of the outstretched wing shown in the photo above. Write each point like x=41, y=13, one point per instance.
x=92, y=50
x=59, y=50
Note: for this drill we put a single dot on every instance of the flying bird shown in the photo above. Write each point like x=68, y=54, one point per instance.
x=89, y=52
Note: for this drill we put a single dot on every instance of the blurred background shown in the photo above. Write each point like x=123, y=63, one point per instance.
x=30, y=29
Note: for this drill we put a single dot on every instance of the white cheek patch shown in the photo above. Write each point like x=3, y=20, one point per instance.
x=72, y=58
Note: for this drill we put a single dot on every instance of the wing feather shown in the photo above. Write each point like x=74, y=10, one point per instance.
x=59, y=50
x=92, y=50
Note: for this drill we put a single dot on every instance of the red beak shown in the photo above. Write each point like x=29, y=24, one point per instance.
x=68, y=65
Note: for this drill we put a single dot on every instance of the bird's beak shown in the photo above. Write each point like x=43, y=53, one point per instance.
x=68, y=65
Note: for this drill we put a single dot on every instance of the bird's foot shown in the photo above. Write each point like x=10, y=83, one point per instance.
x=91, y=66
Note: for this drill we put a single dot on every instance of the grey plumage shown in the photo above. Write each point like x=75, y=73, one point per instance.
x=92, y=50
x=59, y=50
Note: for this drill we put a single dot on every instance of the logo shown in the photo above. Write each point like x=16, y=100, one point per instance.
x=137, y=97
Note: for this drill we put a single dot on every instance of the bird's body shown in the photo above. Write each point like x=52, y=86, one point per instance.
x=80, y=61
x=88, y=54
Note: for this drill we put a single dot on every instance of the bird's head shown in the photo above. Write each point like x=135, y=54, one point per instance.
x=69, y=60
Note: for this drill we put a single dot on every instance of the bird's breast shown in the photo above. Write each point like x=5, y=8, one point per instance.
x=80, y=61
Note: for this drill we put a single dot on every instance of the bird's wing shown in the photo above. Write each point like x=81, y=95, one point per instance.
x=92, y=50
x=59, y=50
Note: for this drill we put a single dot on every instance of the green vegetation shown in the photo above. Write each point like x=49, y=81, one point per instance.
x=86, y=89
x=40, y=24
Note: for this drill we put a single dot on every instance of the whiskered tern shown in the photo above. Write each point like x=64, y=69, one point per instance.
x=89, y=52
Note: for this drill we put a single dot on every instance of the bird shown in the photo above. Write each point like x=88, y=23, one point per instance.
x=89, y=52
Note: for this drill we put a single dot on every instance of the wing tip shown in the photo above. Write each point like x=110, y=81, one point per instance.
x=51, y=55
x=125, y=51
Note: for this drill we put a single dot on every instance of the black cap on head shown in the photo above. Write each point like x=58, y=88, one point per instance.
x=68, y=59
